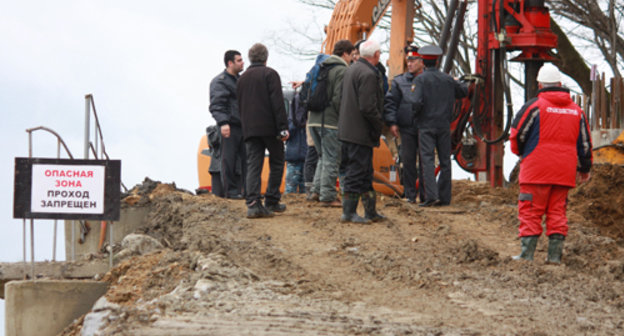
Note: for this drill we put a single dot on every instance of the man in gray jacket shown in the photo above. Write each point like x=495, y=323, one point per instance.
x=224, y=109
x=359, y=128
x=323, y=127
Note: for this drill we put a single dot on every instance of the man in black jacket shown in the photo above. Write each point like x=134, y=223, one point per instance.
x=224, y=109
x=399, y=117
x=359, y=128
x=434, y=98
x=265, y=127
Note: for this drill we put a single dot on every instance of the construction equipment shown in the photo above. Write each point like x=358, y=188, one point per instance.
x=478, y=129
x=612, y=153
x=503, y=25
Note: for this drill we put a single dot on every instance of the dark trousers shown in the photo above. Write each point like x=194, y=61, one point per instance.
x=255, y=160
x=358, y=166
x=217, y=188
x=310, y=164
x=429, y=140
x=233, y=162
x=409, y=152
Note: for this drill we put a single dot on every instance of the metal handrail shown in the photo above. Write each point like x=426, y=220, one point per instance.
x=49, y=130
x=99, y=136
x=60, y=142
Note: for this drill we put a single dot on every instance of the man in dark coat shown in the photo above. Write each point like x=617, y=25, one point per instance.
x=399, y=117
x=265, y=127
x=224, y=109
x=359, y=128
x=434, y=98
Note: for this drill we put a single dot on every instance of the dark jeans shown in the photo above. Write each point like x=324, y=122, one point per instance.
x=232, y=157
x=431, y=139
x=358, y=165
x=255, y=160
x=310, y=164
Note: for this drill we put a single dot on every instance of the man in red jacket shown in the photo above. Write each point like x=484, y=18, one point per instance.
x=550, y=133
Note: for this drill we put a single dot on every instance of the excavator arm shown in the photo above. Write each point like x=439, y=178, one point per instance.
x=355, y=20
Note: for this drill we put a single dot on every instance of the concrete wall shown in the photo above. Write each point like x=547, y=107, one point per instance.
x=130, y=219
x=41, y=308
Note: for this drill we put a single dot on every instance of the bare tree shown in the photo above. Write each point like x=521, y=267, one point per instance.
x=596, y=23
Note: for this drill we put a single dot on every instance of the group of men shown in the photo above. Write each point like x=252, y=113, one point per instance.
x=250, y=112
x=251, y=117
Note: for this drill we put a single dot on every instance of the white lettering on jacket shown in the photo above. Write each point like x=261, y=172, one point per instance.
x=558, y=110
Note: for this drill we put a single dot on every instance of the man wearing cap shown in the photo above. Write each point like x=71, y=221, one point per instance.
x=551, y=135
x=434, y=98
x=399, y=118
x=359, y=128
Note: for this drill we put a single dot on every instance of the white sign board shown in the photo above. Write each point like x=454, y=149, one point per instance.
x=69, y=189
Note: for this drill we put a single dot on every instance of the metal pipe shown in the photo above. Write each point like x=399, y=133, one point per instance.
x=450, y=15
x=110, y=244
x=73, y=240
x=32, y=249
x=24, y=243
x=459, y=23
x=87, y=126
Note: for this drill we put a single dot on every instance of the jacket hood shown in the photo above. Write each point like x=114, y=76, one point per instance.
x=333, y=59
x=556, y=95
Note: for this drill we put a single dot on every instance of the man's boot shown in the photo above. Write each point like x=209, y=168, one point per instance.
x=369, y=200
x=274, y=206
x=528, y=248
x=256, y=210
x=349, y=207
x=555, y=248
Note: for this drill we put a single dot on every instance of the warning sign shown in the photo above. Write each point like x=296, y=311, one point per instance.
x=67, y=189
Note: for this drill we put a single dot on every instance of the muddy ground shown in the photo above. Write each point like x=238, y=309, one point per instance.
x=434, y=271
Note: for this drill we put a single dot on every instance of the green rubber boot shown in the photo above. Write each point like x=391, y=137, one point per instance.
x=349, y=207
x=369, y=200
x=555, y=248
x=528, y=248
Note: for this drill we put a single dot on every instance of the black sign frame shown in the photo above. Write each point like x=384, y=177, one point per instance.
x=22, y=191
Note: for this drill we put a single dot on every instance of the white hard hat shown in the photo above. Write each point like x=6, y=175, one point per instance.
x=549, y=73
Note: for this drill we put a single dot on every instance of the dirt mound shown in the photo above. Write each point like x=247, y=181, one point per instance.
x=601, y=200
x=434, y=271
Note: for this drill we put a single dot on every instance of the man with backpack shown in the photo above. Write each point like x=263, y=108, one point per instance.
x=323, y=102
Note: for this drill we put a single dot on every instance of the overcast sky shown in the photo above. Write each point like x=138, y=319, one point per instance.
x=148, y=65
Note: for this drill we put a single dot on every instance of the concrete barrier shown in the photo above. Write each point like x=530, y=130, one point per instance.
x=46, y=307
x=129, y=220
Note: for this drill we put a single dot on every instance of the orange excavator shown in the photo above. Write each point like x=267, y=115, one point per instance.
x=477, y=130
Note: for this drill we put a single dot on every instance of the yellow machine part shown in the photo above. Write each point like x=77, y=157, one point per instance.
x=203, y=164
x=611, y=154
x=385, y=180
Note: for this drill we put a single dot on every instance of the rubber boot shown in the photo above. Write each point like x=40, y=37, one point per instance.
x=369, y=200
x=528, y=248
x=349, y=207
x=555, y=248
